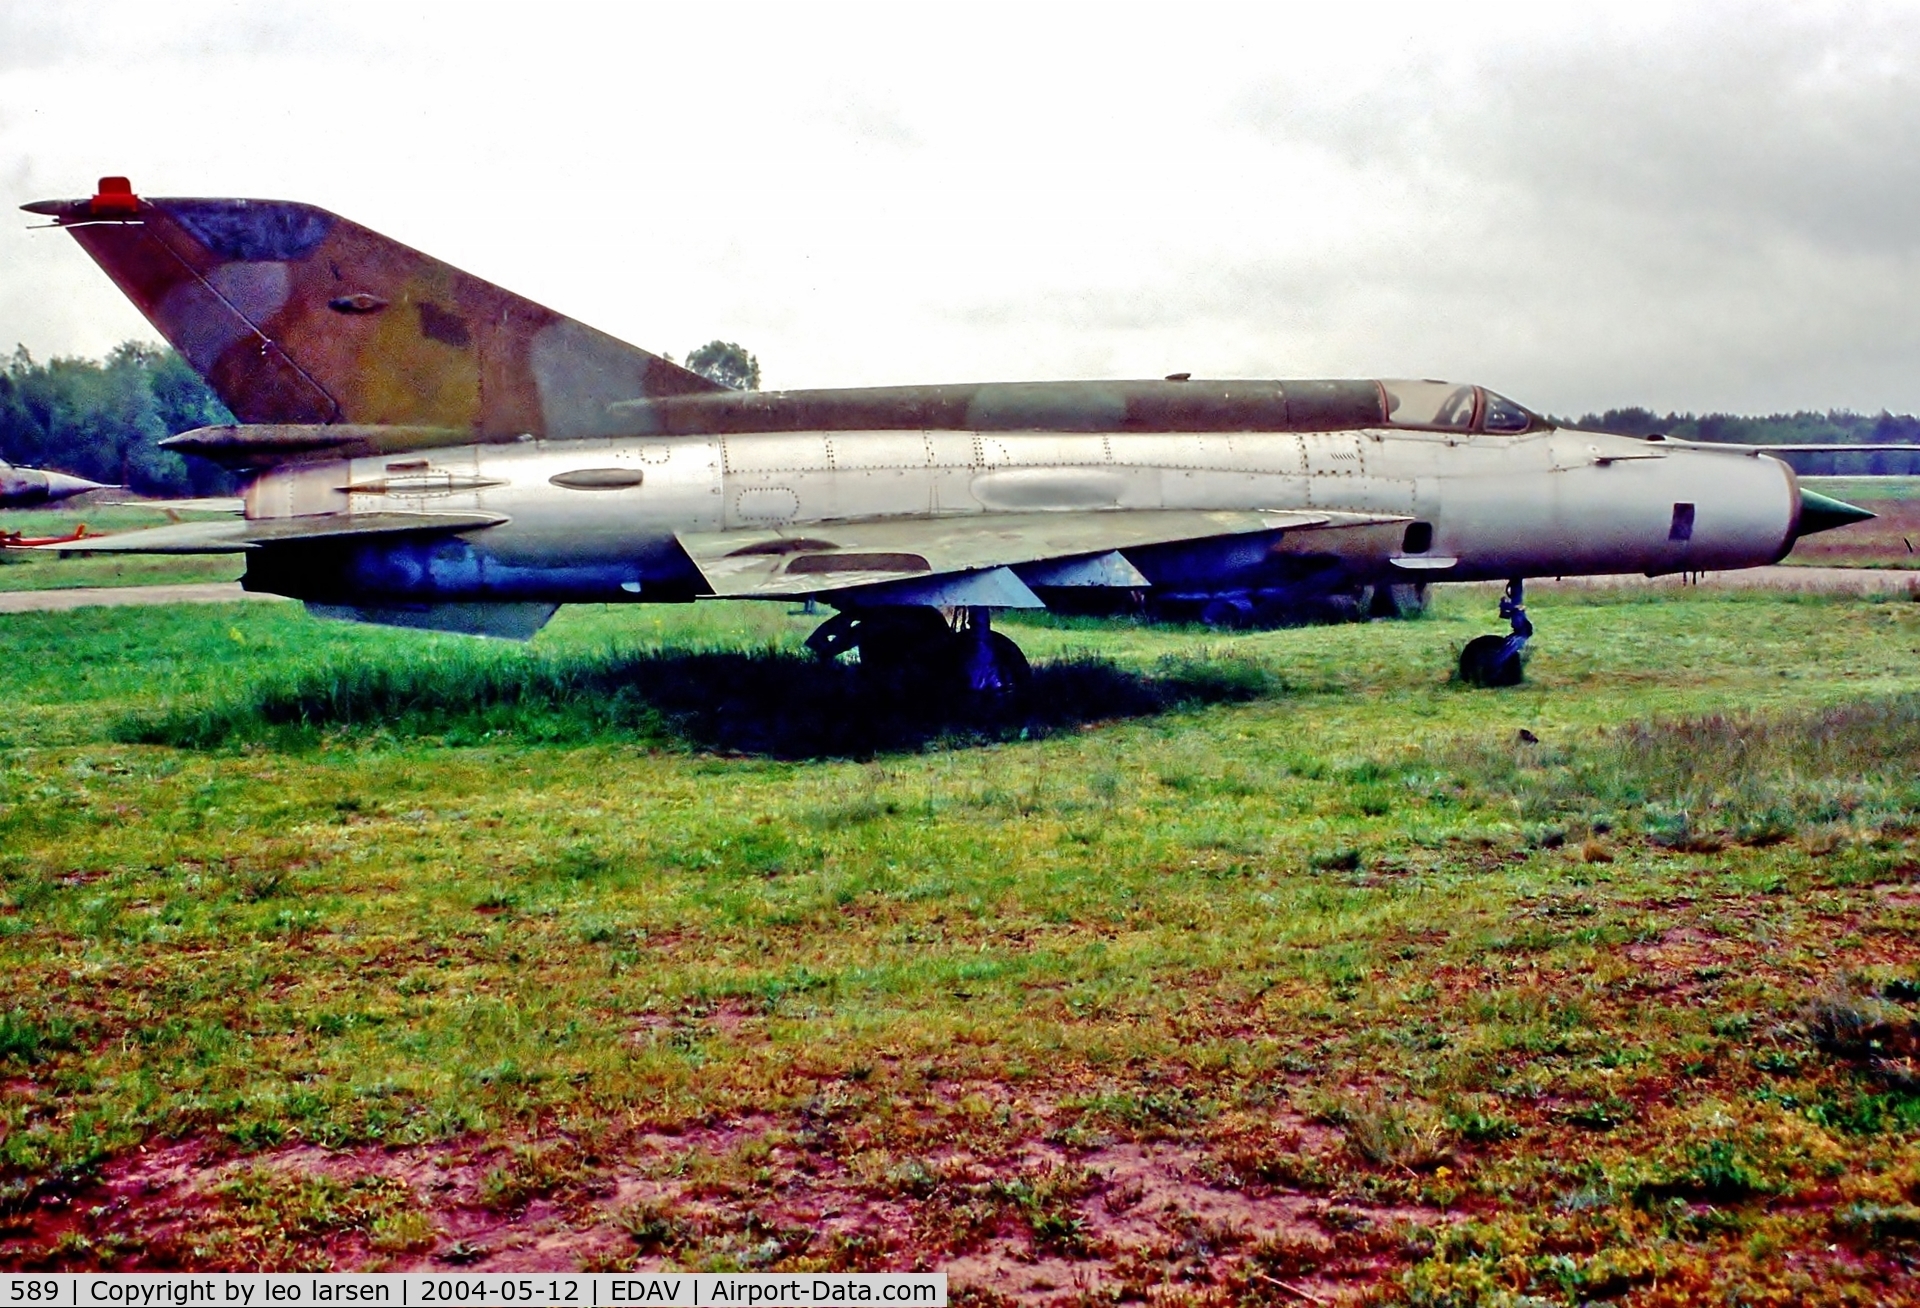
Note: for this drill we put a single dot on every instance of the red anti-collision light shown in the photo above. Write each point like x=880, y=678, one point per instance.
x=115, y=196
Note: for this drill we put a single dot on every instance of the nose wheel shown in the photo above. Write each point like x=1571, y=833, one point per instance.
x=1496, y=660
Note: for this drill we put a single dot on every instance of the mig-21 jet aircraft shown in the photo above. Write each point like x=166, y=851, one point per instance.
x=23, y=488
x=430, y=450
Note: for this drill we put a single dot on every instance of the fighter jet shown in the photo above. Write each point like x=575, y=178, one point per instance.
x=430, y=450
x=23, y=488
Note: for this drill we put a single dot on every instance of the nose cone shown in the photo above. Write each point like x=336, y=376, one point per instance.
x=60, y=486
x=1822, y=513
x=22, y=488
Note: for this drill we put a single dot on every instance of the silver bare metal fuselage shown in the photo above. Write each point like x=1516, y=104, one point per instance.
x=595, y=520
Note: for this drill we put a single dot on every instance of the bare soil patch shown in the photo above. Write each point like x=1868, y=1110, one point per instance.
x=1037, y=1225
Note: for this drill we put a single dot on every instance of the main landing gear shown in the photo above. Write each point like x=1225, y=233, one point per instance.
x=922, y=649
x=1495, y=660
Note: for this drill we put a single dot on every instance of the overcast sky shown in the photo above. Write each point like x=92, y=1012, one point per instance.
x=1715, y=207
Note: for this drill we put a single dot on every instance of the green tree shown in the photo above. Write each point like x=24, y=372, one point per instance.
x=728, y=363
x=105, y=419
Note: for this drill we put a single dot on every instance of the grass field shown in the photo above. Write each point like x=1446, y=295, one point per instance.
x=1266, y=968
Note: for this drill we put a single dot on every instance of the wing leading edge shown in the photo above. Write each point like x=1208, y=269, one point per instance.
x=990, y=559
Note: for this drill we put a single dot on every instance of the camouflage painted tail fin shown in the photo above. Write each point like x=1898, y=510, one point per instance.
x=296, y=315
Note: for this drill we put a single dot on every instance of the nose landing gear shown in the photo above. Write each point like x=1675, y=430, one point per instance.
x=1495, y=660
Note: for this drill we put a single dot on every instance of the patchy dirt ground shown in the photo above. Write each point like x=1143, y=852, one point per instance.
x=1311, y=1190
x=1048, y=1222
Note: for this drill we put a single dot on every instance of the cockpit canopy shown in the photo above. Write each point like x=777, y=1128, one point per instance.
x=1445, y=406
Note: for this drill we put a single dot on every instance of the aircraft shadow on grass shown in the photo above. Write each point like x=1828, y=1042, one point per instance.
x=770, y=704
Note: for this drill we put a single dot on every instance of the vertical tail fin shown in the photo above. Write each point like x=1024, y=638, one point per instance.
x=296, y=315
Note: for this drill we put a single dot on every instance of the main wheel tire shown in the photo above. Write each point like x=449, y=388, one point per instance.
x=1488, y=662
x=834, y=637
x=1234, y=613
x=907, y=649
x=1009, y=665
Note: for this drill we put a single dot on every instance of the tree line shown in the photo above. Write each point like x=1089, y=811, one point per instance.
x=104, y=419
x=1834, y=427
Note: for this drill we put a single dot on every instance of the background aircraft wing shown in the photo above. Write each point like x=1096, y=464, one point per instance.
x=237, y=536
x=925, y=560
